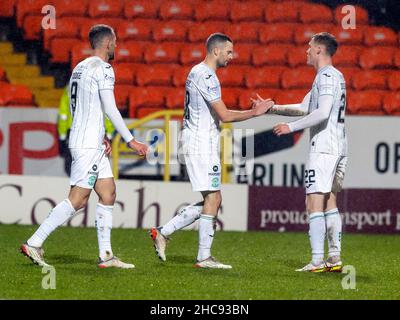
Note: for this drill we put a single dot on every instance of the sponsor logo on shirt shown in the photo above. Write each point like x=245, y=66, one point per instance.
x=92, y=180
x=215, y=182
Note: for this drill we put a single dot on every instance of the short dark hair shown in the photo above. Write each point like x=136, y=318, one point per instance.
x=328, y=40
x=98, y=32
x=215, y=39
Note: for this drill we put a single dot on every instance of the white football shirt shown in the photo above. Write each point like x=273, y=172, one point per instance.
x=200, y=122
x=329, y=136
x=88, y=78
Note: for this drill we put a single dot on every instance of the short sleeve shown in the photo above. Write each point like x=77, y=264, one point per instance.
x=327, y=83
x=210, y=87
x=106, y=77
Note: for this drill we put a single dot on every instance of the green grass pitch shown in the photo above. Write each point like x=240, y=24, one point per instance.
x=263, y=267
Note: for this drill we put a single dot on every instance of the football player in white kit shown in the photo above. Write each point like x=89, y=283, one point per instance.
x=200, y=147
x=91, y=98
x=324, y=109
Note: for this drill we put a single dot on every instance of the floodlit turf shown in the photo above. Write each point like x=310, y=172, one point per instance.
x=263, y=267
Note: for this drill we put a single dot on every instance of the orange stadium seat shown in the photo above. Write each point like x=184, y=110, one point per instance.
x=246, y=95
x=140, y=97
x=70, y=8
x=396, y=58
x=121, y=92
x=349, y=36
x=7, y=8
x=230, y=96
x=129, y=52
x=315, y=13
x=282, y=12
x=367, y=102
x=369, y=79
x=211, y=10
x=30, y=7
x=347, y=56
x=361, y=15
x=176, y=10
x=88, y=23
x=266, y=77
x=66, y=28
x=145, y=111
x=105, y=8
x=179, y=76
x=232, y=76
x=32, y=27
x=141, y=9
x=244, y=32
x=304, y=33
x=174, y=98
x=291, y=96
x=139, y=29
x=15, y=95
x=247, y=11
x=170, y=31
x=124, y=74
x=192, y=53
x=201, y=31
x=242, y=53
x=270, y=55
x=162, y=53
x=278, y=32
x=298, y=78
x=391, y=103
x=61, y=48
x=297, y=56
x=380, y=36
x=348, y=73
x=377, y=57
x=155, y=75
x=393, y=80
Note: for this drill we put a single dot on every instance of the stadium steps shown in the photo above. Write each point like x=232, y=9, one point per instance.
x=19, y=72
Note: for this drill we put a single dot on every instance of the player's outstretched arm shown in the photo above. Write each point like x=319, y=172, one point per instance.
x=227, y=115
x=111, y=110
x=325, y=104
x=291, y=110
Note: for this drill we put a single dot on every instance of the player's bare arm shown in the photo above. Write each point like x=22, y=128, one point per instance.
x=227, y=115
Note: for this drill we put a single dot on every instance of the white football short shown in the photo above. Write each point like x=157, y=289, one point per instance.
x=204, y=171
x=87, y=166
x=324, y=173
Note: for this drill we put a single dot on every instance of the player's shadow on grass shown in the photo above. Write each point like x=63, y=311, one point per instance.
x=70, y=259
x=179, y=259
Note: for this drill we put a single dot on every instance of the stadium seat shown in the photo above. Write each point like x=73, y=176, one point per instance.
x=315, y=13
x=201, y=31
x=347, y=56
x=266, y=77
x=282, y=12
x=176, y=10
x=246, y=95
x=242, y=53
x=61, y=48
x=175, y=98
x=15, y=95
x=278, y=32
x=304, y=33
x=139, y=29
x=367, y=102
x=361, y=15
x=32, y=27
x=129, y=52
x=377, y=57
x=124, y=74
x=247, y=11
x=192, y=54
x=391, y=103
x=179, y=76
x=3, y=75
x=396, y=58
x=162, y=53
x=297, y=56
x=88, y=23
x=145, y=97
x=29, y=7
x=244, y=32
x=298, y=78
x=291, y=96
x=349, y=36
x=393, y=80
x=141, y=9
x=270, y=55
x=380, y=36
x=230, y=96
x=170, y=31
x=348, y=73
x=69, y=8
x=7, y=8
x=66, y=28
x=232, y=76
x=211, y=10
x=370, y=79
x=155, y=75
x=105, y=8
x=142, y=112
x=121, y=92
